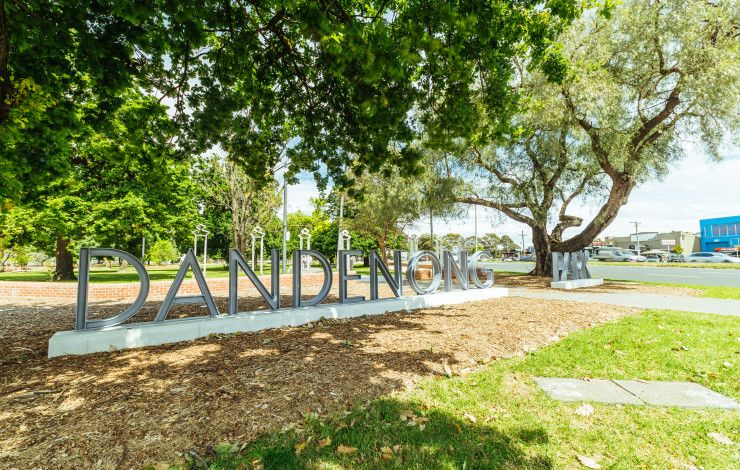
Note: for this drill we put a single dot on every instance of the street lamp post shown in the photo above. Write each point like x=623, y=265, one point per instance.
x=201, y=232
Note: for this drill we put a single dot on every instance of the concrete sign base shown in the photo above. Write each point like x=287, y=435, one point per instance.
x=171, y=331
x=575, y=284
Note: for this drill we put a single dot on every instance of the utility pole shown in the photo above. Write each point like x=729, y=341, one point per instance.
x=475, y=212
x=431, y=230
x=143, y=246
x=285, y=226
x=637, y=236
x=522, y=242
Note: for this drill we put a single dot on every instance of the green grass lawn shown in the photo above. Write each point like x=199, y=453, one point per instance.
x=715, y=292
x=498, y=418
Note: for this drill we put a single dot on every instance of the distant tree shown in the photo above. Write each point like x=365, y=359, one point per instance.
x=509, y=244
x=126, y=182
x=234, y=202
x=490, y=242
x=384, y=206
x=656, y=74
x=21, y=256
x=162, y=251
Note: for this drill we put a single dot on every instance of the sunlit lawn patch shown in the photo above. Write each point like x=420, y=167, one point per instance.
x=497, y=418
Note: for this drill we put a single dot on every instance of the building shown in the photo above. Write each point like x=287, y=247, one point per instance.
x=689, y=242
x=720, y=234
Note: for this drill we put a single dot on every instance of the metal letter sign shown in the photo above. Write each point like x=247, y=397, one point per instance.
x=569, y=266
x=466, y=271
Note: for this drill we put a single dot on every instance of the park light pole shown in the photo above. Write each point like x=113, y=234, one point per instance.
x=201, y=232
x=285, y=225
x=339, y=227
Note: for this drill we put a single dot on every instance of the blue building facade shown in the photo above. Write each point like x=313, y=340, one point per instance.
x=720, y=234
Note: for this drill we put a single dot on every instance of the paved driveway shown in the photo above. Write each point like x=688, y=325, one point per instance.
x=697, y=276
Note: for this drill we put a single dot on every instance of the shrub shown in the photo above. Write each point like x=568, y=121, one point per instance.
x=162, y=251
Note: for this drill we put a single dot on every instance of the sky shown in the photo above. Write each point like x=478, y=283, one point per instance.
x=696, y=188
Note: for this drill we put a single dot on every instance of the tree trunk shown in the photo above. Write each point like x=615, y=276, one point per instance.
x=64, y=270
x=381, y=246
x=543, y=252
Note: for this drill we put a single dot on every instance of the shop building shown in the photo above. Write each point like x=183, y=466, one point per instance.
x=720, y=234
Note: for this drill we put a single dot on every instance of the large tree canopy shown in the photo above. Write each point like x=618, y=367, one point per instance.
x=655, y=73
x=341, y=76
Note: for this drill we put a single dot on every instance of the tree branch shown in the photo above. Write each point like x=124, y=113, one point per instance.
x=505, y=208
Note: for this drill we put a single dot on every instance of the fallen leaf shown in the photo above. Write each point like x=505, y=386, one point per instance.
x=397, y=448
x=386, y=453
x=448, y=371
x=300, y=446
x=407, y=414
x=727, y=364
x=343, y=449
x=257, y=464
x=472, y=418
x=585, y=410
x=588, y=462
x=457, y=428
x=422, y=427
x=721, y=438
x=324, y=442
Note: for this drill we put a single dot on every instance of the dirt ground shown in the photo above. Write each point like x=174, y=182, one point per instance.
x=130, y=408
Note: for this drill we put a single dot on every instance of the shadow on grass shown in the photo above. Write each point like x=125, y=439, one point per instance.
x=387, y=433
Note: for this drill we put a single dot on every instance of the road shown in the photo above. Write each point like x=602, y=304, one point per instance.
x=696, y=276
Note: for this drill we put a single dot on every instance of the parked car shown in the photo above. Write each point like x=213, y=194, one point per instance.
x=676, y=258
x=527, y=258
x=623, y=255
x=706, y=257
x=602, y=253
x=653, y=258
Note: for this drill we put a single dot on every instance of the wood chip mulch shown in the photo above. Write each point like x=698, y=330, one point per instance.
x=127, y=409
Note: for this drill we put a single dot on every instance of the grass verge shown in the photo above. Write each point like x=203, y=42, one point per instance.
x=715, y=292
x=497, y=418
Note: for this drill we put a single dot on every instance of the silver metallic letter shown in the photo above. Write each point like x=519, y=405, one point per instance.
x=236, y=260
x=171, y=299
x=473, y=269
x=344, y=277
x=450, y=265
x=297, y=254
x=558, y=263
x=395, y=282
x=82, y=323
x=411, y=272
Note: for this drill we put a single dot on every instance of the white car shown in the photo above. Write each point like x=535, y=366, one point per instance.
x=624, y=255
x=706, y=257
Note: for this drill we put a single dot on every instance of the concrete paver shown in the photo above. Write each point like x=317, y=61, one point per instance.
x=684, y=394
x=635, y=392
x=604, y=391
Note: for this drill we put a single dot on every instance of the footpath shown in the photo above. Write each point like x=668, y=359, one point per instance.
x=638, y=300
